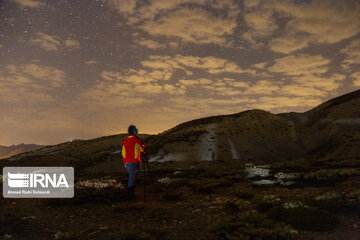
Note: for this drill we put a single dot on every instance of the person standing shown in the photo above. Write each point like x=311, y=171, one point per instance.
x=132, y=147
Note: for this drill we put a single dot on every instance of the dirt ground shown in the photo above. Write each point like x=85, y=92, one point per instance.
x=199, y=200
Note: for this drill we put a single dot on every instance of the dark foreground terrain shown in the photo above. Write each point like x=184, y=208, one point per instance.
x=250, y=175
x=200, y=200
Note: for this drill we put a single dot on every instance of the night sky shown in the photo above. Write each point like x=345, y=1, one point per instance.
x=89, y=68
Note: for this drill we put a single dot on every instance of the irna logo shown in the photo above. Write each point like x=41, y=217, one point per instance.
x=33, y=180
x=38, y=182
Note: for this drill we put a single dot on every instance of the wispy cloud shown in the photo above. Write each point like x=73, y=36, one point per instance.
x=192, y=25
x=181, y=20
x=300, y=64
x=151, y=44
x=71, y=43
x=91, y=62
x=289, y=43
x=52, y=42
x=30, y=3
x=209, y=64
x=352, y=54
x=356, y=76
x=136, y=76
x=315, y=22
x=292, y=26
x=261, y=24
x=325, y=83
x=46, y=41
x=29, y=83
x=283, y=103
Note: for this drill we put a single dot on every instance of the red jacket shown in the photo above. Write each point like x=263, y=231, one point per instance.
x=131, y=149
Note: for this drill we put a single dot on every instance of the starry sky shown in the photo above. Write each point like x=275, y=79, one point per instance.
x=88, y=68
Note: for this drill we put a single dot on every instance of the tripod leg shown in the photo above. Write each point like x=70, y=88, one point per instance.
x=151, y=176
x=144, y=184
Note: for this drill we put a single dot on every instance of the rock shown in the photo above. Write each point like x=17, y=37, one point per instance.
x=7, y=236
x=104, y=228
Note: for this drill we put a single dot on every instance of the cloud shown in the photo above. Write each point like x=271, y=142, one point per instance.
x=91, y=62
x=47, y=42
x=114, y=86
x=207, y=63
x=161, y=62
x=261, y=23
x=125, y=7
x=230, y=67
x=251, y=3
x=181, y=20
x=132, y=87
x=260, y=65
x=352, y=52
x=210, y=64
x=262, y=87
x=148, y=88
x=192, y=25
x=229, y=87
x=71, y=43
x=109, y=95
x=283, y=103
x=266, y=95
x=305, y=73
x=356, y=76
x=302, y=91
x=187, y=109
x=136, y=76
x=30, y=3
x=314, y=22
x=151, y=44
x=189, y=82
x=29, y=83
x=289, y=43
x=52, y=42
x=301, y=64
x=328, y=83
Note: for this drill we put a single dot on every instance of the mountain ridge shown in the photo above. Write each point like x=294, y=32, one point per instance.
x=251, y=135
x=8, y=151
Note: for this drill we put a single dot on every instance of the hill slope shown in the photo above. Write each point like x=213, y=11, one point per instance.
x=8, y=151
x=253, y=134
x=330, y=130
x=342, y=107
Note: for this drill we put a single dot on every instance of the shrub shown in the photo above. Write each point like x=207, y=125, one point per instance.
x=304, y=217
x=252, y=225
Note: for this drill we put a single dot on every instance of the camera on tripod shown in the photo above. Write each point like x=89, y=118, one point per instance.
x=143, y=157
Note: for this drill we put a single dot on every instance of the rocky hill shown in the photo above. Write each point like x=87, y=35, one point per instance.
x=8, y=151
x=331, y=130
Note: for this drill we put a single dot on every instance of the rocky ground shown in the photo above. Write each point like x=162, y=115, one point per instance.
x=200, y=200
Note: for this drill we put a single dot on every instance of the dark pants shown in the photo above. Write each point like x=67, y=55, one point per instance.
x=131, y=169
